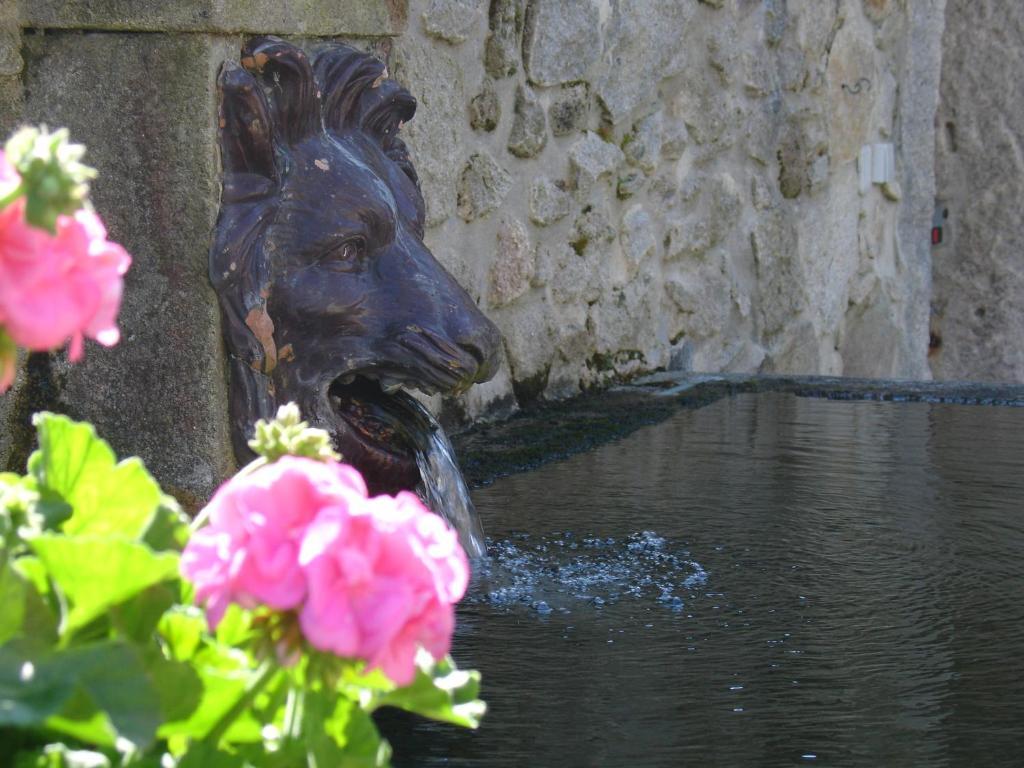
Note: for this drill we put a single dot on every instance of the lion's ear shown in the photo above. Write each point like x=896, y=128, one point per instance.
x=246, y=134
x=345, y=74
x=287, y=76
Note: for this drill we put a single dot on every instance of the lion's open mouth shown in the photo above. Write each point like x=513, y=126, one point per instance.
x=381, y=431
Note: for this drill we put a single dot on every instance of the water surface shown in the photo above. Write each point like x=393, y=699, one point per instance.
x=770, y=580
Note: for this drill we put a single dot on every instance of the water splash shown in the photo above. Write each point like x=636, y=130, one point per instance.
x=561, y=571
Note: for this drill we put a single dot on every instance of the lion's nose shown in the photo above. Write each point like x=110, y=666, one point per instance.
x=482, y=341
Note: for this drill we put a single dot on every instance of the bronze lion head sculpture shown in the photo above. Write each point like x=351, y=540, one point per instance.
x=328, y=294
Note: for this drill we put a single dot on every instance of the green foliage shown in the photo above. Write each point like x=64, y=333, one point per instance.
x=104, y=663
x=53, y=178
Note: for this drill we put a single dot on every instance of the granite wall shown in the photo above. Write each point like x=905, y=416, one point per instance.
x=622, y=185
x=978, y=300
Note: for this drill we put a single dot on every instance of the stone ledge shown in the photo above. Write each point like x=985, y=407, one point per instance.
x=327, y=18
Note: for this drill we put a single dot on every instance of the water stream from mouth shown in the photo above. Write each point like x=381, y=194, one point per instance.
x=442, y=486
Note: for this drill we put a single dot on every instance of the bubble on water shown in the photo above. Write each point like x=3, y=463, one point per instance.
x=560, y=570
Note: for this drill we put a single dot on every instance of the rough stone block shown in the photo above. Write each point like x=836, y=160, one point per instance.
x=549, y=202
x=529, y=127
x=637, y=238
x=501, y=53
x=144, y=106
x=484, y=108
x=562, y=40
x=592, y=157
x=284, y=17
x=452, y=20
x=643, y=146
x=482, y=186
x=514, y=265
x=568, y=111
x=643, y=40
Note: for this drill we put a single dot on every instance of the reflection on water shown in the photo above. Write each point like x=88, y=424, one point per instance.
x=769, y=580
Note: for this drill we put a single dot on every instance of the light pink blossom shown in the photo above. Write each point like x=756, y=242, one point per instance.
x=369, y=578
x=249, y=552
x=383, y=578
x=60, y=287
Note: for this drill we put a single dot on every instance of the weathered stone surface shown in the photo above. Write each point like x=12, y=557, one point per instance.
x=482, y=186
x=687, y=239
x=284, y=17
x=528, y=345
x=549, y=202
x=978, y=270
x=10, y=56
x=452, y=20
x=629, y=184
x=590, y=230
x=643, y=46
x=642, y=147
x=701, y=301
x=569, y=110
x=853, y=88
x=591, y=158
x=625, y=330
x=484, y=108
x=637, y=238
x=502, y=50
x=161, y=392
x=529, y=126
x=562, y=40
x=572, y=276
x=673, y=138
x=803, y=155
x=514, y=265
x=435, y=78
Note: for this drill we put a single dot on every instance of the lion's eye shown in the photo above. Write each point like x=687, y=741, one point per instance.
x=346, y=256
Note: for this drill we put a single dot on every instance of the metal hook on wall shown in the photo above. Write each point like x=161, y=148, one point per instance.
x=857, y=87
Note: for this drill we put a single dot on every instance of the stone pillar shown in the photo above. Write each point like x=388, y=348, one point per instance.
x=978, y=273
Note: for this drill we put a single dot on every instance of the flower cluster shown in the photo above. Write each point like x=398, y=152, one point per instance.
x=368, y=578
x=60, y=278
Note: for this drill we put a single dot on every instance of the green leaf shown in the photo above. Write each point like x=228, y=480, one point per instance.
x=106, y=497
x=137, y=617
x=356, y=741
x=202, y=755
x=178, y=686
x=93, y=692
x=168, y=528
x=182, y=629
x=225, y=673
x=13, y=595
x=59, y=756
x=95, y=573
x=441, y=692
x=30, y=690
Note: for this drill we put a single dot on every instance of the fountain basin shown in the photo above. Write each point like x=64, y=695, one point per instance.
x=769, y=579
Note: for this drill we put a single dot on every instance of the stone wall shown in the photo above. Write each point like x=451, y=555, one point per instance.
x=623, y=186
x=978, y=302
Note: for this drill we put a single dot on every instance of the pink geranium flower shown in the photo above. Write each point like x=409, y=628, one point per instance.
x=249, y=552
x=382, y=578
x=369, y=578
x=60, y=287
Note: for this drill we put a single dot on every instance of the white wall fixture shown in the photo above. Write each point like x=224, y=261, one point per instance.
x=877, y=165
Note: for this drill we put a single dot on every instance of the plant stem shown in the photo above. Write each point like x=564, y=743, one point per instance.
x=259, y=680
x=294, y=713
